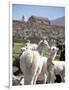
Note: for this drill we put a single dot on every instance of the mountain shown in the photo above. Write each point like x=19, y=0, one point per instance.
x=59, y=21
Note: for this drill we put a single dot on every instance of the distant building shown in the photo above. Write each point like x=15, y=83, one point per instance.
x=39, y=20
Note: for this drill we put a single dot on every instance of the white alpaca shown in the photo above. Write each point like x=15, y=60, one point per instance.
x=46, y=73
x=50, y=64
x=33, y=46
x=30, y=46
x=31, y=63
x=59, y=69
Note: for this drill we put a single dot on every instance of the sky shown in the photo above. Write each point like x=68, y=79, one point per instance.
x=50, y=12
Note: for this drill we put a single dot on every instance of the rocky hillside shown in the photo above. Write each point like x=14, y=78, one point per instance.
x=35, y=31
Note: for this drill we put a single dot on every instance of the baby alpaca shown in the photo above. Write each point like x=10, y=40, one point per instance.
x=58, y=67
x=46, y=73
x=53, y=53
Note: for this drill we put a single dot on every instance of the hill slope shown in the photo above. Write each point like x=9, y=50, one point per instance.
x=59, y=21
x=36, y=31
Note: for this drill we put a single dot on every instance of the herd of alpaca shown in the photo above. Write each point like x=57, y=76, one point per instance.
x=36, y=67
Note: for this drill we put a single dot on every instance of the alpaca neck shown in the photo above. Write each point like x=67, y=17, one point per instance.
x=49, y=61
x=52, y=56
x=40, y=49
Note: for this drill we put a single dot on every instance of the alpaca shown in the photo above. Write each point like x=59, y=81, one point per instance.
x=31, y=64
x=39, y=47
x=29, y=46
x=46, y=73
x=59, y=69
x=53, y=53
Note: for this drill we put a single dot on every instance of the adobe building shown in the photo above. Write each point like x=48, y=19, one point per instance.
x=40, y=20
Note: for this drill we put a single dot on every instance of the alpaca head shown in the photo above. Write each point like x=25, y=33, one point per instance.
x=54, y=50
x=44, y=44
